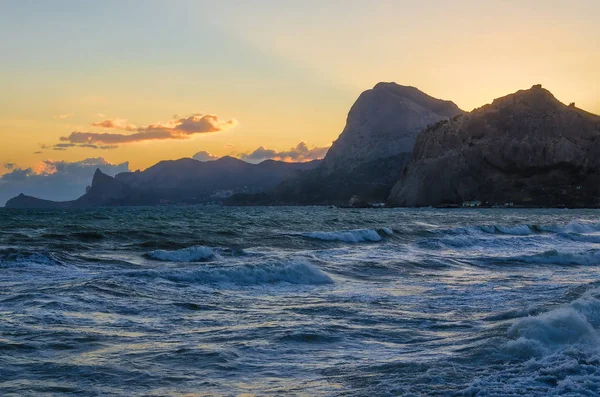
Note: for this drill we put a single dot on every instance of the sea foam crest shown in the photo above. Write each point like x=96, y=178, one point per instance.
x=552, y=354
x=190, y=254
x=351, y=236
x=292, y=271
x=575, y=323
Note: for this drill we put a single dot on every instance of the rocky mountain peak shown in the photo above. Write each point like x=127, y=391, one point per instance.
x=534, y=98
x=384, y=122
x=526, y=147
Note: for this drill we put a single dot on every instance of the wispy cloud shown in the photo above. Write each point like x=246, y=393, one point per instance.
x=300, y=153
x=119, y=124
x=182, y=128
x=64, y=116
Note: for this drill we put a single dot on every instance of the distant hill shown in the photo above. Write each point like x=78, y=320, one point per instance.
x=526, y=148
x=371, y=152
x=184, y=181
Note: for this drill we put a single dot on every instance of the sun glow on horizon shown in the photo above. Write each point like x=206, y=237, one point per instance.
x=287, y=72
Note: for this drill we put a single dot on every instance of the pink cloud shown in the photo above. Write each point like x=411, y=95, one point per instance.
x=119, y=124
x=181, y=128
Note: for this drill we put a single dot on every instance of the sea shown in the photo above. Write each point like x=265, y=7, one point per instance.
x=299, y=301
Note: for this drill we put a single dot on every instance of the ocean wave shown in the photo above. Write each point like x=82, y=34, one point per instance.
x=515, y=230
x=15, y=257
x=551, y=354
x=351, y=236
x=190, y=254
x=554, y=257
x=293, y=272
x=518, y=230
x=584, y=238
x=573, y=227
x=522, y=230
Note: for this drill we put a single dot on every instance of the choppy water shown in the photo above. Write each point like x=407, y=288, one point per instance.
x=299, y=301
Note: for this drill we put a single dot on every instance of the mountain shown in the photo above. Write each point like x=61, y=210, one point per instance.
x=526, y=148
x=371, y=152
x=384, y=122
x=183, y=181
x=23, y=201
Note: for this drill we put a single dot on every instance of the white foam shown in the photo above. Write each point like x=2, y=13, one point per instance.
x=552, y=354
x=190, y=254
x=348, y=236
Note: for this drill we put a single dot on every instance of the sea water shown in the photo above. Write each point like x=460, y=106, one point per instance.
x=307, y=301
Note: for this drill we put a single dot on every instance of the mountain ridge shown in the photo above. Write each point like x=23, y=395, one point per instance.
x=526, y=148
x=182, y=181
x=369, y=154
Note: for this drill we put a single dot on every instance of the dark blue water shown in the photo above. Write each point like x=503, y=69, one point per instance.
x=202, y=301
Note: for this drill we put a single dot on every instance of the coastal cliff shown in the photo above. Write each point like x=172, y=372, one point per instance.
x=526, y=148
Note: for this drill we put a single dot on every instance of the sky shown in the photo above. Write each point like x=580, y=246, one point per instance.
x=136, y=82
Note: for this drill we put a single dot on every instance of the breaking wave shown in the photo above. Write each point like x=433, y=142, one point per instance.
x=293, y=272
x=552, y=354
x=351, y=236
x=190, y=254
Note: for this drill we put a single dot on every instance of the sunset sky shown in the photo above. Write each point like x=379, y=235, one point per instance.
x=142, y=81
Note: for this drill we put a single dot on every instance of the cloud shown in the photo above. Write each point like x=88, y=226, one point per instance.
x=55, y=180
x=204, y=156
x=91, y=146
x=182, y=128
x=65, y=146
x=119, y=124
x=300, y=153
x=9, y=166
x=64, y=116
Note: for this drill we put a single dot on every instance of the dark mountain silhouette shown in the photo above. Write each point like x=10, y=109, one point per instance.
x=184, y=181
x=526, y=148
x=369, y=155
x=23, y=201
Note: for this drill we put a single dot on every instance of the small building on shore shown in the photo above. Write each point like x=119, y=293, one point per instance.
x=473, y=203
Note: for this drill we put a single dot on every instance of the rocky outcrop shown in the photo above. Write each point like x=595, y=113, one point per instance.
x=22, y=201
x=104, y=191
x=384, y=122
x=526, y=148
x=371, y=152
